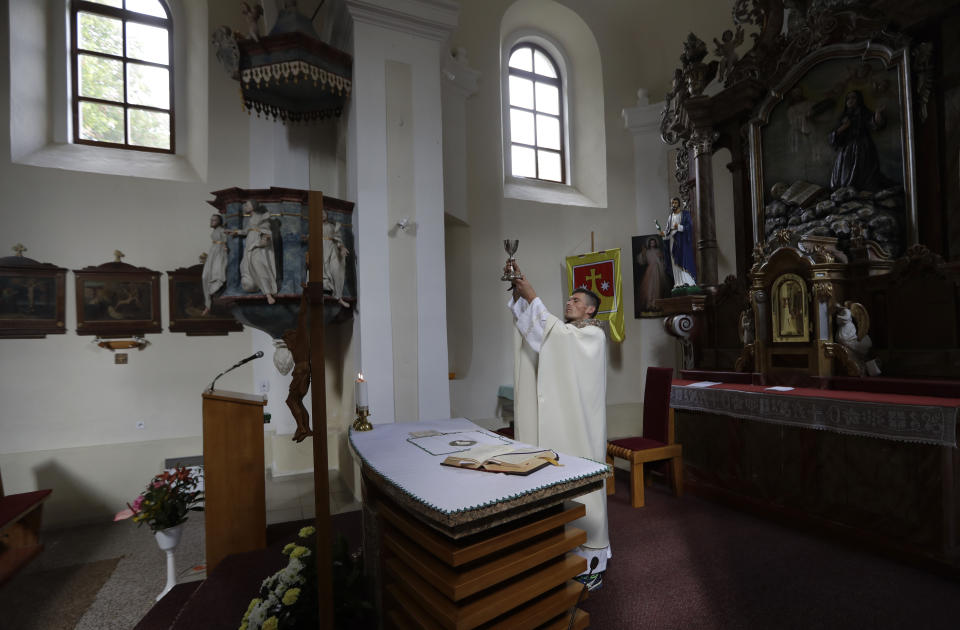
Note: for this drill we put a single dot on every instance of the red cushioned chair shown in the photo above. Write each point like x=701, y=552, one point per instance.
x=657, y=443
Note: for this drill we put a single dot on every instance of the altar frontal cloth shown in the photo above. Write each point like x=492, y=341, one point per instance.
x=391, y=451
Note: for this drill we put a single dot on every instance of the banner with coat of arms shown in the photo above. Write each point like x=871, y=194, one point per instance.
x=599, y=272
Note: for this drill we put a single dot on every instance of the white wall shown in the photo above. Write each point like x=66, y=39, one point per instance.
x=640, y=43
x=69, y=415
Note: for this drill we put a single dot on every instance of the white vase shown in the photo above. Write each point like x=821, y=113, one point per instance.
x=167, y=540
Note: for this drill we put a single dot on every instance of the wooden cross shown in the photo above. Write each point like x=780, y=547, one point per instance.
x=117, y=255
x=19, y=249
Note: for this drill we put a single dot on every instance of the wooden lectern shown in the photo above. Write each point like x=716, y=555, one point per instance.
x=236, y=516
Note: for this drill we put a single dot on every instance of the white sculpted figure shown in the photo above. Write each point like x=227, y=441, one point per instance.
x=853, y=323
x=334, y=259
x=258, y=269
x=215, y=266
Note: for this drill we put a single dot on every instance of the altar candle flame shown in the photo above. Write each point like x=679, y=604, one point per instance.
x=361, y=391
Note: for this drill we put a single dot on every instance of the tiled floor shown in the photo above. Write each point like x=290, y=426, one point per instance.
x=141, y=573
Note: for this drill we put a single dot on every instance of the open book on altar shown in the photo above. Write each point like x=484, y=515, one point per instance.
x=508, y=459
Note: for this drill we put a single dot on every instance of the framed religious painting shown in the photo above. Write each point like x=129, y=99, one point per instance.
x=32, y=297
x=832, y=150
x=189, y=311
x=117, y=300
x=791, y=313
x=651, y=276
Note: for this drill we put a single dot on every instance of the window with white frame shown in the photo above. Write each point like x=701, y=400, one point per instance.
x=122, y=71
x=535, y=88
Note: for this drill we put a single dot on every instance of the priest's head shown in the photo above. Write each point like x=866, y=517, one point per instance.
x=582, y=304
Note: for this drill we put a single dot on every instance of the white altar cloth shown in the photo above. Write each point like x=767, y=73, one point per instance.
x=450, y=490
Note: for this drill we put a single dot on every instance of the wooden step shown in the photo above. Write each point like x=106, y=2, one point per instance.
x=458, y=584
x=489, y=604
x=456, y=553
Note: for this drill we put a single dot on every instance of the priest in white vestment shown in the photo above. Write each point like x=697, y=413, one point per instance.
x=560, y=387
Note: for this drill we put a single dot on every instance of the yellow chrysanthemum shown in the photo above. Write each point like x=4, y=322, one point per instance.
x=299, y=551
x=307, y=531
x=290, y=597
x=271, y=623
x=243, y=626
x=288, y=548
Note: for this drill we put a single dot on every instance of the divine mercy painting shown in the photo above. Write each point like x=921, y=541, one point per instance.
x=650, y=278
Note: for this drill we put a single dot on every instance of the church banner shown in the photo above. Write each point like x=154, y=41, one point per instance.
x=600, y=272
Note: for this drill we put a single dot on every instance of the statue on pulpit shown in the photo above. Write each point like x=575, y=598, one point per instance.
x=258, y=269
x=335, y=253
x=214, y=274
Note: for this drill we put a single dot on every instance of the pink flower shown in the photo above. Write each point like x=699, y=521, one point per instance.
x=123, y=514
x=137, y=503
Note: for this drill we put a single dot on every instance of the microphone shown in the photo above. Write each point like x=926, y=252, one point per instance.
x=573, y=612
x=255, y=355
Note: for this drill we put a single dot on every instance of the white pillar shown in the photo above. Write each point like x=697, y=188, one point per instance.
x=650, y=169
x=396, y=173
x=460, y=83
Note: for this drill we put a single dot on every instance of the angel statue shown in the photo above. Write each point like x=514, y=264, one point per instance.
x=727, y=52
x=853, y=323
x=252, y=17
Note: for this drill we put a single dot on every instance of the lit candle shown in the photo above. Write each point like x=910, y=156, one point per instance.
x=361, y=391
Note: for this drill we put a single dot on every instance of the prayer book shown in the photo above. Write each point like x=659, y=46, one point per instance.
x=507, y=459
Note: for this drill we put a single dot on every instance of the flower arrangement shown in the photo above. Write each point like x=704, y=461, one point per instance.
x=288, y=598
x=166, y=500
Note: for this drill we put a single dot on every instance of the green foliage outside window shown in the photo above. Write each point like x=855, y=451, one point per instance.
x=107, y=71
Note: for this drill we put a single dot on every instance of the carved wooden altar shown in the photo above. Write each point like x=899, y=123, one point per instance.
x=843, y=246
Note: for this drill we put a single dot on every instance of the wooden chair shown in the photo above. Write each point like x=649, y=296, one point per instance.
x=657, y=443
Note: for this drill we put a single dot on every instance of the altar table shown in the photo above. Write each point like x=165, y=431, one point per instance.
x=463, y=548
x=878, y=467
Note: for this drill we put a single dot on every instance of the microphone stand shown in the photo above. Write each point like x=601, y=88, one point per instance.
x=256, y=355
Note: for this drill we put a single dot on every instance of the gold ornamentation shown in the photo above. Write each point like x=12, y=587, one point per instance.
x=19, y=249
x=791, y=315
x=361, y=423
x=759, y=257
x=823, y=290
x=822, y=255
x=117, y=255
x=784, y=237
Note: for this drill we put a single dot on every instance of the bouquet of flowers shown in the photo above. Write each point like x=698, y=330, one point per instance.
x=166, y=500
x=288, y=598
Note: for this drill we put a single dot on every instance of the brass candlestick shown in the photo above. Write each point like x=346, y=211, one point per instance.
x=361, y=423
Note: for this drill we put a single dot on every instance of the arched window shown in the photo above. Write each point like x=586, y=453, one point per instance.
x=122, y=71
x=536, y=115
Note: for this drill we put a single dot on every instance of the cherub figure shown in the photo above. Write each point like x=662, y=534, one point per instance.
x=727, y=51
x=252, y=16
x=853, y=323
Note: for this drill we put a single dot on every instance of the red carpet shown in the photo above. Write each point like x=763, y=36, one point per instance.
x=688, y=563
